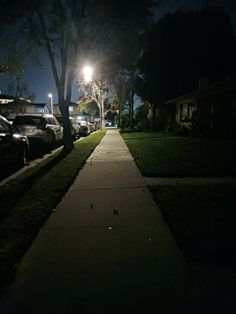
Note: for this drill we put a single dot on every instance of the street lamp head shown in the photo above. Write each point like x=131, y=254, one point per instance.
x=87, y=71
x=50, y=95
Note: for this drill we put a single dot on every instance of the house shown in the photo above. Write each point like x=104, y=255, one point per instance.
x=5, y=99
x=10, y=107
x=73, y=109
x=211, y=108
x=74, y=112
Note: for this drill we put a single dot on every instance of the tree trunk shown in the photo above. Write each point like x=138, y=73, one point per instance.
x=131, y=109
x=120, y=115
x=67, y=136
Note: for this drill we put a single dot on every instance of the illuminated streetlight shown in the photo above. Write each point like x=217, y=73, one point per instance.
x=87, y=71
x=96, y=91
x=50, y=95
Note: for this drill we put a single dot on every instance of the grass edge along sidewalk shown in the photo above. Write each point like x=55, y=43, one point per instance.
x=200, y=217
x=22, y=224
x=202, y=221
x=161, y=155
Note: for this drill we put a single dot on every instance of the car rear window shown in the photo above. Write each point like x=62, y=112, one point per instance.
x=59, y=119
x=52, y=121
x=27, y=120
x=4, y=126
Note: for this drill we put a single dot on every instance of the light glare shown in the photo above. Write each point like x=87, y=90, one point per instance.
x=87, y=71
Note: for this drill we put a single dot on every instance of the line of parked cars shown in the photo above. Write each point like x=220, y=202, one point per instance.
x=79, y=127
x=14, y=147
x=27, y=131
x=25, y=134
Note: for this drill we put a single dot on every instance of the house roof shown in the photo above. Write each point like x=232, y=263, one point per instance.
x=4, y=99
x=4, y=96
x=21, y=102
x=219, y=87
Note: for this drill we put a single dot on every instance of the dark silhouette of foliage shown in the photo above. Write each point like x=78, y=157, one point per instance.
x=183, y=48
x=74, y=31
x=13, y=10
x=20, y=89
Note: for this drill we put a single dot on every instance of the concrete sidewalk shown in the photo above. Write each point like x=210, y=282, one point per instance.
x=106, y=249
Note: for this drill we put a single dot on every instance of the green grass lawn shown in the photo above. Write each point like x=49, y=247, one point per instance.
x=157, y=154
x=202, y=220
x=28, y=200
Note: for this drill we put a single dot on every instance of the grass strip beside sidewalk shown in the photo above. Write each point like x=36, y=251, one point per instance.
x=14, y=189
x=22, y=224
x=202, y=220
x=200, y=217
x=159, y=155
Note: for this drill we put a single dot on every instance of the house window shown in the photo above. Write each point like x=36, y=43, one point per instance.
x=71, y=109
x=40, y=110
x=184, y=112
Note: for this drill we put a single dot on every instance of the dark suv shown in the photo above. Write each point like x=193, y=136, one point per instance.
x=14, y=147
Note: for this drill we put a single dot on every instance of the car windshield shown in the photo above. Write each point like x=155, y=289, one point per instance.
x=4, y=126
x=28, y=120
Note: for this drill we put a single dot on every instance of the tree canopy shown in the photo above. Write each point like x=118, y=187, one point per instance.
x=20, y=89
x=183, y=48
x=74, y=31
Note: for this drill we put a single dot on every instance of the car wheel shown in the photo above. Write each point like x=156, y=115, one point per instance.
x=73, y=134
x=53, y=142
x=22, y=157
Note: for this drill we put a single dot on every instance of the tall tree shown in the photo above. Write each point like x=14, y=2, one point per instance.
x=11, y=57
x=130, y=48
x=87, y=106
x=72, y=31
x=183, y=48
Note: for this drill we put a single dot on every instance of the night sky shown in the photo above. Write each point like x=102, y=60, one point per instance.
x=40, y=77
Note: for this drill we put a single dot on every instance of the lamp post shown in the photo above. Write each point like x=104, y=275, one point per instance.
x=50, y=95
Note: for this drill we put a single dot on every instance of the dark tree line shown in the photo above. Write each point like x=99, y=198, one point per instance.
x=183, y=48
x=73, y=31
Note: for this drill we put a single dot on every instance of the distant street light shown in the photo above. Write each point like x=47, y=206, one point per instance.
x=51, y=99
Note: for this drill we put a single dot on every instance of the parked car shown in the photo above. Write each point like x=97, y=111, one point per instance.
x=84, y=128
x=42, y=129
x=92, y=127
x=14, y=147
x=10, y=120
x=75, y=127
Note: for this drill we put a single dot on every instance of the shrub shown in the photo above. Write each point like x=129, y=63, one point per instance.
x=183, y=131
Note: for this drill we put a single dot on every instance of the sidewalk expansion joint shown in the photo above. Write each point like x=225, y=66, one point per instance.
x=141, y=188
x=106, y=227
